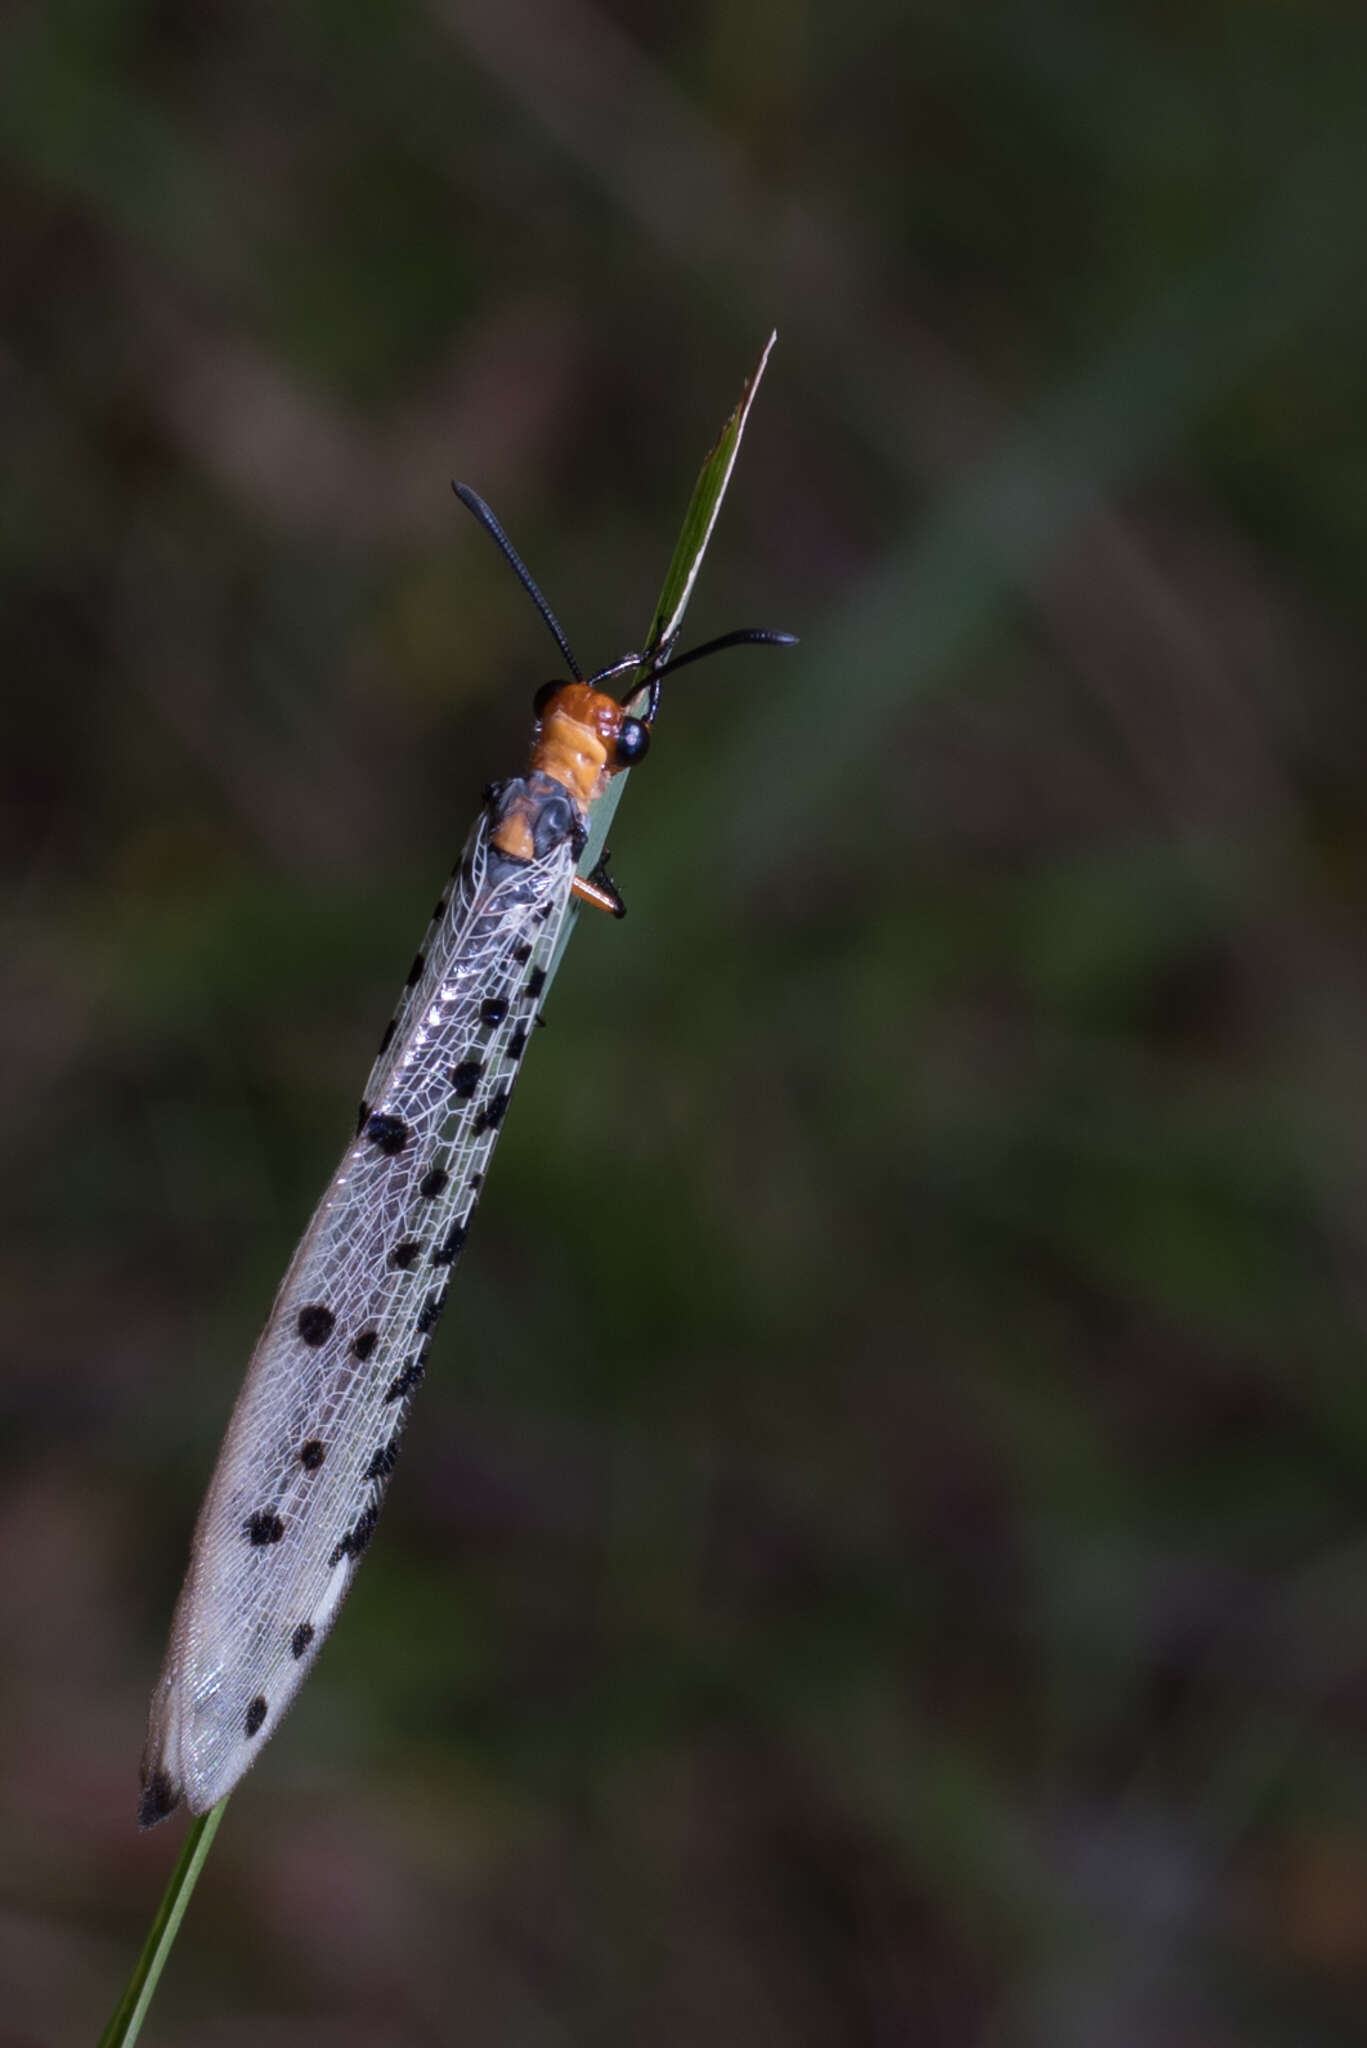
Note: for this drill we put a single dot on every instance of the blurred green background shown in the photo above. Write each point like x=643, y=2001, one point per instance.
x=880, y=1557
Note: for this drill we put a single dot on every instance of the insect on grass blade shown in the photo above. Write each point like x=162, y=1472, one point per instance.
x=315, y=1433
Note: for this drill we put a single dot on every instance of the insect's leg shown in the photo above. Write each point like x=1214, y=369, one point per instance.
x=599, y=889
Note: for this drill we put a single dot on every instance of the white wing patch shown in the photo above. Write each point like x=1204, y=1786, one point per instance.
x=315, y=1432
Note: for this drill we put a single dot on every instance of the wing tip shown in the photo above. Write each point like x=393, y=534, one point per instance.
x=160, y=1797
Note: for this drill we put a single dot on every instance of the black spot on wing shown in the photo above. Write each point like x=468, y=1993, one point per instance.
x=387, y=1040
x=357, y=1536
x=536, y=981
x=493, y=1010
x=256, y=1714
x=523, y=953
x=363, y=1345
x=448, y=1251
x=388, y=1134
x=264, y=1527
x=491, y=1116
x=301, y=1639
x=431, y=1184
x=465, y=1078
x=410, y=1377
x=312, y=1454
x=384, y=1460
x=315, y=1323
x=415, y=971
x=404, y=1254
x=430, y=1312
x=517, y=1044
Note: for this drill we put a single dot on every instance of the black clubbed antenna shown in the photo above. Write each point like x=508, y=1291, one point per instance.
x=743, y=636
x=474, y=503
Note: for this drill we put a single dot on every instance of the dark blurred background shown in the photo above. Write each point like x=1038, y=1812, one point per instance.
x=880, y=1557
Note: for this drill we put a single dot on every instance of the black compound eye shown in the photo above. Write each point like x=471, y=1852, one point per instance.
x=543, y=697
x=633, y=742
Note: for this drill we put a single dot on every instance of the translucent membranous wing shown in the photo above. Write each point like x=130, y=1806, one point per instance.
x=315, y=1432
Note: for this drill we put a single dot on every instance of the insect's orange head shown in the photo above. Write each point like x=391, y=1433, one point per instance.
x=583, y=738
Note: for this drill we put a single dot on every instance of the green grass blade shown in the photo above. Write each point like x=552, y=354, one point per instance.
x=690, y=548
x=126, y=2021
x=701, y=515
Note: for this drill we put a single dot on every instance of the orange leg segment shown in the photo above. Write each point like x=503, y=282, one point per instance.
x=599, y=889
x=588, y=890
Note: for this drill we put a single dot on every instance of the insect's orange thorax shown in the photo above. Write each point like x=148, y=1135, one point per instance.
x=575, y=740
x=575, y=744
